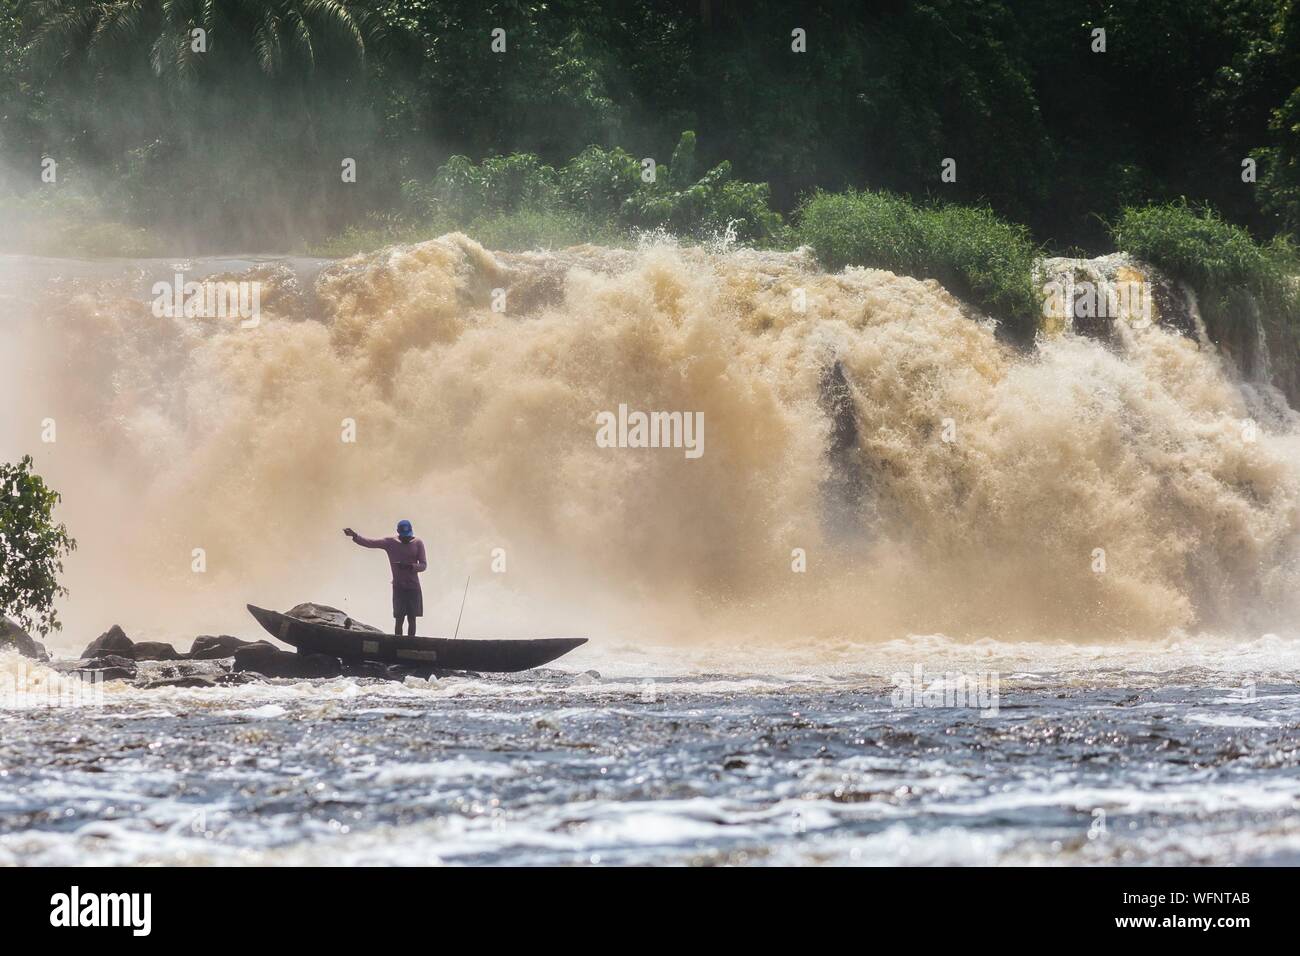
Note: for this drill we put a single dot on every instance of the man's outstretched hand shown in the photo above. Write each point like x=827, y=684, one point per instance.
x=349, y=532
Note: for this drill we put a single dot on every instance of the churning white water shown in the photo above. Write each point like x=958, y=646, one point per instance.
x=862, y=426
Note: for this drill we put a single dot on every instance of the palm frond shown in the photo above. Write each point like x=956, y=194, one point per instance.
x=302, y=35
x=63, y=31
x=338, y=16
x=266, y=41
x=118, y=23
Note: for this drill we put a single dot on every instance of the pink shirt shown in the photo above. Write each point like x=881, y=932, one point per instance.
x=401, y=552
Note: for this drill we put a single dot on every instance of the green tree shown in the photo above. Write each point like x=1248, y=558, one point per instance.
x=240, y=146
x=240, y=143
x=280, y=34
x=1280, y=183
x=32, y=547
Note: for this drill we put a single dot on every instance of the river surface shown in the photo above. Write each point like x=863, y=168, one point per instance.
x=1171, y=753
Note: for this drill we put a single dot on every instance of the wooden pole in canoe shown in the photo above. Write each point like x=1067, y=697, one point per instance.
x=462, y=607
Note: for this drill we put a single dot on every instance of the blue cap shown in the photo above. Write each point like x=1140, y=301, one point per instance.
x=404, y=527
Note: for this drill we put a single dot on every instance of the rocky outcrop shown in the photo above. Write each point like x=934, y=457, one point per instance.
x=846, y=482
x=112, y=641
x=373, y=669
x=191, y=681
x=318, y=665
x=106, y=667
x=157, y=664
x=12, y=635
x=262, y=658
x=234, y=679
x=154, y=651
x=181, y=668
x=205, y=647
x=378, y=670
x=1090, y=296
x=209, y=648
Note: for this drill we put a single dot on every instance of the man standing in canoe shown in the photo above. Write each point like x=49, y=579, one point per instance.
x=406, y=556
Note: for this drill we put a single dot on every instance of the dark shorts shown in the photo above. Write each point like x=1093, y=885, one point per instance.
x=408, y=602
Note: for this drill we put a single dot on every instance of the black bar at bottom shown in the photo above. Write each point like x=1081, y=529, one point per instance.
x=334, y=907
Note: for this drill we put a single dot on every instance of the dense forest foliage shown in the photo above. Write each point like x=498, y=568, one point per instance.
x=239, y=144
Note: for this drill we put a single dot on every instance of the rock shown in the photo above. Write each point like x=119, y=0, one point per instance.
x=394, y=672
x=112, y=641
x=179, y=682
x=169, y=670
x=248, y=677
x=262, y=658
x=256, y=644
x=108, y=667
x=154, y=651
x=108, y=673
x=374, y=669
x=208, y=648
x=324, y=614
x=427, y=673
x=104, y=660
x=403, y=671
x=12, y=635
x=318, y=665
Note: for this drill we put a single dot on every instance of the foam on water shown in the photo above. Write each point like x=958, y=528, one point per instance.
x=697, y=768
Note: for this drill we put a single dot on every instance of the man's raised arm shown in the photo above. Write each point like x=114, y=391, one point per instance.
x=364, y=542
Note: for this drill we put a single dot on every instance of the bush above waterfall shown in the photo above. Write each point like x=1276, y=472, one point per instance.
x=599, y=191
x=1214, y=257
x=976, y=255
